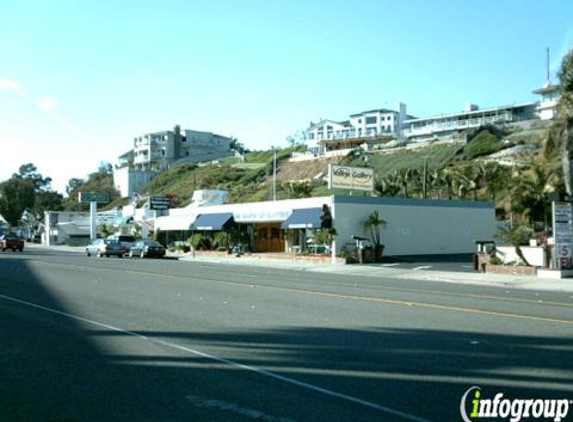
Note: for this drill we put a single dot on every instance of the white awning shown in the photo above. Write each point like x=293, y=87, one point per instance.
x=72, y=229
x=175, y=222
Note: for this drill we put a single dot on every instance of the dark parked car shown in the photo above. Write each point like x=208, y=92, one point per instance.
x=147, y=248
x=11, y=241
x=105, y=247
x=126, y=241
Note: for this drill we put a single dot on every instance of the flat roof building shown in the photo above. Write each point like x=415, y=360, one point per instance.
x=414, y=226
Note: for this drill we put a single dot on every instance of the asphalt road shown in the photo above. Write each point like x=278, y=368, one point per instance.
x=88, y=339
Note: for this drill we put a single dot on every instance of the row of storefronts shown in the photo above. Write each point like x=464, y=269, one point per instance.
x=414, y=226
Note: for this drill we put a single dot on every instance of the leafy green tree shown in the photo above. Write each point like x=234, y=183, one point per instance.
x=106, y=230
x=30, y=173
x=238, y=146
x=222, y=240
x=74, y=184
x=297, y=189
x=28, y=191
x=16, y=196
x=196, y=240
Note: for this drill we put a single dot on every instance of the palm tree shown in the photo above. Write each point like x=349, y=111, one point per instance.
x=561, y=133
x=372, y=225
x=403, y=178
x=386, y=186
x=496, y=179
x=449, y=181
x=529, y=196
x=436, y=181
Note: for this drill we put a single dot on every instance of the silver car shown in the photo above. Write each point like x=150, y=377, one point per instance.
x=105, y=247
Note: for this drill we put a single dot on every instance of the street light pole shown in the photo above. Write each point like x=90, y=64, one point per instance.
x=274, y=175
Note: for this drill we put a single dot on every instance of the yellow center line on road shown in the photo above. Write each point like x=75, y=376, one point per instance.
x=386, y=288
x=426, y=305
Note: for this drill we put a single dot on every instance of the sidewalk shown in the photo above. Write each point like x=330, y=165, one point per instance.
x=368, y=270
x=379, y=270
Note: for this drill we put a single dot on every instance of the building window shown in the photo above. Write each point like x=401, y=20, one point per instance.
x=371, y=120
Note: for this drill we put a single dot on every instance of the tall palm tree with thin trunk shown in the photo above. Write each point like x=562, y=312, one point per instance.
x=561, y=133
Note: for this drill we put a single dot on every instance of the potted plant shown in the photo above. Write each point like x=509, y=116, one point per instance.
x=372, y=226
x=196, y=240
x=222, y=241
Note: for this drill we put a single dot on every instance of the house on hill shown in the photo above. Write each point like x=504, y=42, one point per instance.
x=155, y=152
x=365, y=127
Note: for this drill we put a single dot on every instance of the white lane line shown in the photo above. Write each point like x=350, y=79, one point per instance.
x=423, y=267
x=389, y=265
x=228, y=362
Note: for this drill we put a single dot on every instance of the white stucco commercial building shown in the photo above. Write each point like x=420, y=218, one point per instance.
x=414, y=226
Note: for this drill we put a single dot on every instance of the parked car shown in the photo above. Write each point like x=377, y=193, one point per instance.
x=105, y=247
x=11, y=241
x=147, y=248
x=126, y=241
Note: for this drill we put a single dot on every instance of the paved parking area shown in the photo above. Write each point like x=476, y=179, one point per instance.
x=451, y=263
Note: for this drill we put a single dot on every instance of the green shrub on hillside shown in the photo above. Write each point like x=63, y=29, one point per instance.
x=484, y=143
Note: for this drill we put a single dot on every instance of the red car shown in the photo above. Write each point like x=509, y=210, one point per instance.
x=11, y=241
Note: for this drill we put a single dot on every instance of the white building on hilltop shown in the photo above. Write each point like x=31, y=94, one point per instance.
x=546, y=108
x=156, y=152
x=425, y=128
x=358, y=129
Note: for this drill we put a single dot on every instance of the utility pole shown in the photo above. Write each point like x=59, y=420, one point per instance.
x=548, y=76
x=424, y=191
x=274, y=175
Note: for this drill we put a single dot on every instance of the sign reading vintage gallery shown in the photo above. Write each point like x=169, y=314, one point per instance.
x=353, y=178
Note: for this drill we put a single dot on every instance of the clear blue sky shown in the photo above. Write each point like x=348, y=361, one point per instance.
x=80, y=78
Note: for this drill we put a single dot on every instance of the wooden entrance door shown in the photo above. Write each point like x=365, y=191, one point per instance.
x=269, y=238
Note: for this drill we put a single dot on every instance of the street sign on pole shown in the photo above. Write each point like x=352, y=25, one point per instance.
x=563, y=234
x=99, y=197
x=159, y=203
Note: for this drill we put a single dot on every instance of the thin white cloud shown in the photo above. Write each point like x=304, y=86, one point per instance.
x=49, y=105
x=12, y=85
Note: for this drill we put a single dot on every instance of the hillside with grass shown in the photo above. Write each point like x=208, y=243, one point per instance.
x=468, y=167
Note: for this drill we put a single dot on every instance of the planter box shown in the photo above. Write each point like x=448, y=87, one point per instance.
x=510, y=269
x=555, y=274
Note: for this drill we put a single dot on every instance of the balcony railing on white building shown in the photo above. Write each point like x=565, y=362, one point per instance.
x=349, y=134
x=442, y=125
